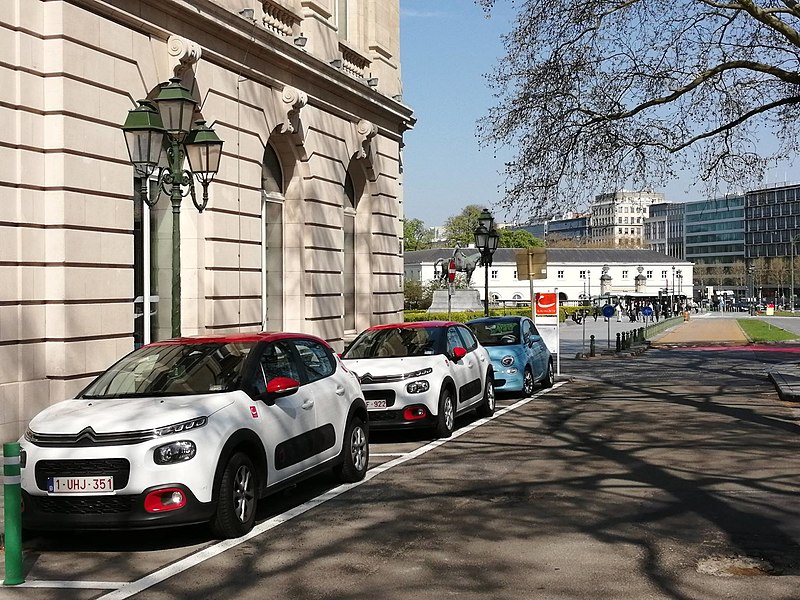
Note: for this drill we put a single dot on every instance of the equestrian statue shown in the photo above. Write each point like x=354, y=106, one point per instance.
x=464, y=263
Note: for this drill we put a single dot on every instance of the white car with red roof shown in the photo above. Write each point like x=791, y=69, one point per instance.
x=194, y=430
x=421, y=375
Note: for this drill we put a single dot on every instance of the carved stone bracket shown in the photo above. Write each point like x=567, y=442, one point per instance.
x=183, y=53
x=293, y=101
x=366, y=130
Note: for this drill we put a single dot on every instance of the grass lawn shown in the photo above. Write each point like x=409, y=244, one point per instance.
x=761, y=331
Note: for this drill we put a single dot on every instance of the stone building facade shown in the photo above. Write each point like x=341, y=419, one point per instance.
x=303, y=230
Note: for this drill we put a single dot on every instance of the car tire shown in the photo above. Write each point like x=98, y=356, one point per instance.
x=549, y=377
x=237, y=500
x=486, y=408
x=527, y=383
x=446, y=419
x=355, y=453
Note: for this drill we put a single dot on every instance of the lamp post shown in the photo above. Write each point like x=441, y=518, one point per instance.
x=486, y=238
x=791, y=271
x=167, y=121
x=672, y=296
x=679, y=275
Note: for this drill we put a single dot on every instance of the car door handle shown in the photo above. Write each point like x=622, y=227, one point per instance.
x=308, y=404
x=340, y=391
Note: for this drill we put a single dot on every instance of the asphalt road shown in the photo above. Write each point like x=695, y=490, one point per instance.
x=646, y=477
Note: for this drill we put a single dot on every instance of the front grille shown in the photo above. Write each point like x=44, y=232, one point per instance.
x=85, y=505
x=378, y=415
x=387, y=395
x=369, y=378
x=89, y=437
x=118, y=468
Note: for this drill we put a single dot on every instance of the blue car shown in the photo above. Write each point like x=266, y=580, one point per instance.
x=518, y=353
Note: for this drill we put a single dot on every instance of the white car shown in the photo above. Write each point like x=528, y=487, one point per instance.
x=194, y=430
x=421, y=374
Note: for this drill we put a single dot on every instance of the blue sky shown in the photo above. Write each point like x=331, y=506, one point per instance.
x=446, y=48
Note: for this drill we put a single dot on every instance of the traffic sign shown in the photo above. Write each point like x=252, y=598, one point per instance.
x=647, y=311
x=608, y=311
x=546, y=304
x=451, y=271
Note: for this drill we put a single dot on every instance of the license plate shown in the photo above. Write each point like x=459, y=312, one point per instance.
x=100, y=484
x=375, y=404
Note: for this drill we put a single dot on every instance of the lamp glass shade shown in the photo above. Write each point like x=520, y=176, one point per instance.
x=144, y=137
x=481, y=238
x=493, y=239
x=176, y=105
x=486, y=220
x=203, y=150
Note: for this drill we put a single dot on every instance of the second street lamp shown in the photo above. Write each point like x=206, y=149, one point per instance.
x=486, y=238
x=167, y=122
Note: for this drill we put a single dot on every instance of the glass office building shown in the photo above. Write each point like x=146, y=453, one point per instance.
x=772, y=220
x=714, y=230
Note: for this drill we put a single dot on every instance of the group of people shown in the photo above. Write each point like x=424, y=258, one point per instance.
x=634, y=311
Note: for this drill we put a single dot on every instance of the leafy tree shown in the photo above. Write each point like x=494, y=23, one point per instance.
x=417, y=296
x=459, y=230
x=601, y=94
x=518, y=238
x=416, y=236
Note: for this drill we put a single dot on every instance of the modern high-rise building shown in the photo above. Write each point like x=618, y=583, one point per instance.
x=714, y=230
x=663, y=229
x=772, y=221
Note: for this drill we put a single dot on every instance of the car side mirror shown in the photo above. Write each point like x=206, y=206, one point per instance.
x=279, y=387
x=459, y=353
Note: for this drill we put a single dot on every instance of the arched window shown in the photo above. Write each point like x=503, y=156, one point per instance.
x=272, y=186
x=271, y=172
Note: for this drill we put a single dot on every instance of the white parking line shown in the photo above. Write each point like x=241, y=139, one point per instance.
x=127, y=590
x=74, y=585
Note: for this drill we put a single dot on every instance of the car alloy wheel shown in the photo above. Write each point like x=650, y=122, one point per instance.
x=236, y=505
x=446, y=419
x=355, y=453
x=550, y=378
x=486, y=408
x=527, y=382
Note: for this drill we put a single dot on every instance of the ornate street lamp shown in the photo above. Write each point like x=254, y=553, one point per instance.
x=486, y=238
x=167, y=121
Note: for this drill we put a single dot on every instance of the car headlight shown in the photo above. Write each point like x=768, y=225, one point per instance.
x=182, y=426
x=417, y=387
x=420, y=373
x=174, y=452
x=507, y=360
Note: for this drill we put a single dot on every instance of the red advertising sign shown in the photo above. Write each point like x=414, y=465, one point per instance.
x=546, y=304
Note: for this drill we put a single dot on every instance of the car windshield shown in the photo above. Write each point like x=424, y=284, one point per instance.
x=173, y=370
x=496, y=333
x=397, y=342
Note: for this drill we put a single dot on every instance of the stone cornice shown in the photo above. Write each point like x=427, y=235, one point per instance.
x=200, y=18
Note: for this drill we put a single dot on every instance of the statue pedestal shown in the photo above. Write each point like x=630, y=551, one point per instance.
x=461, y=301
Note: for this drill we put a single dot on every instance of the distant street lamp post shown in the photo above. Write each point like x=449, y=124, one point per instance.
x=168, y=121
x=672, y=297
x=791, y=271
x=486, y=238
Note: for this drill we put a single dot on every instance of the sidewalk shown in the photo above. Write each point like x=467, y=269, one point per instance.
x=702, y=331
x=726, y=332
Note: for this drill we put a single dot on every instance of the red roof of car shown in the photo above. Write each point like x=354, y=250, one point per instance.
x=415, y=324
x=256, y=336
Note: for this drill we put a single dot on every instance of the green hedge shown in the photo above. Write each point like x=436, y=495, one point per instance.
x=463, y=317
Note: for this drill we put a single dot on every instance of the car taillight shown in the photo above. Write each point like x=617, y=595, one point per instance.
x=414, y=413
x=164, y=500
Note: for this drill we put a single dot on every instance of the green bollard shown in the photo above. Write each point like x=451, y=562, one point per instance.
x=12, y=497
